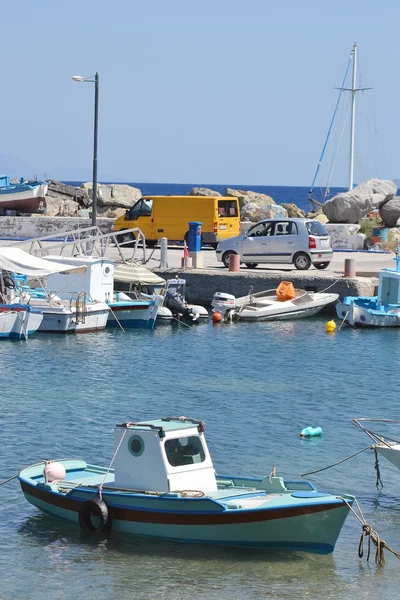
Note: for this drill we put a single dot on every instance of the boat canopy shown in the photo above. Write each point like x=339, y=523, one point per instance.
x=133, y=273
x=19, y=261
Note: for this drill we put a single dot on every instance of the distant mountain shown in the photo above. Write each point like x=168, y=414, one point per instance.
x=15, y=167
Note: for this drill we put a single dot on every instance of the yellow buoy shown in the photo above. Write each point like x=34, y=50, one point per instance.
x=330, y=326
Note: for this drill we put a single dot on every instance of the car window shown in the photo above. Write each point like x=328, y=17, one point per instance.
x=285, y=228
x=261, y=229
x=316, y=228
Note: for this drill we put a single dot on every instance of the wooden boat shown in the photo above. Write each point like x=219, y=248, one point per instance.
x=162, y=483
x=18, y=321
x=382, y=310
x=265, y=306
x=25, y=197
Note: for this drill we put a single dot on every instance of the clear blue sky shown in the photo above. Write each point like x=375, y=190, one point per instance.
x=217, y=91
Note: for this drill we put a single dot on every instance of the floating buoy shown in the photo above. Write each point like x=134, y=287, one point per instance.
x=311, y=431
x=217, y=317
x=330, y=327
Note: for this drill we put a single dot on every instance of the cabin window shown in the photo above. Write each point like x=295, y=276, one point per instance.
x=184, y=451
x=136, y=445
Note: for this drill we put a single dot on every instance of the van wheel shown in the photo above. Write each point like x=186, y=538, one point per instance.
x=151, y=243
x=302, y=261
x=127, y=238
x=251, y=265
x=321, y=265
x=225, y=258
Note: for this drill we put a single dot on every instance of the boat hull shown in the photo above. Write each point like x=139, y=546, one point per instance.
x=132, y=315
x=18, y=324
x=30, y=200
x=60, y=320
x=358, y=315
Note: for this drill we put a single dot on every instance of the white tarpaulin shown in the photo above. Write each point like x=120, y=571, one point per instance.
x=19, y=261
x=137, y=274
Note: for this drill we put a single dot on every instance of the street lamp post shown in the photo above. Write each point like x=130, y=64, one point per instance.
x=95, y=80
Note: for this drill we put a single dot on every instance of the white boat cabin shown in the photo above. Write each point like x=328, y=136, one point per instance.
x=389, y=287
x=165, y=455
x=96, y=278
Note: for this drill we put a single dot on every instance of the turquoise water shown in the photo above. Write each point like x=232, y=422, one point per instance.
x=256, y=386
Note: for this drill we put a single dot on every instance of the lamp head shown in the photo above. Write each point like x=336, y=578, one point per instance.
x=78, y=78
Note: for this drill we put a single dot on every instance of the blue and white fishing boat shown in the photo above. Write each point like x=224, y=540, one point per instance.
x=18, y=321
x=382, y=310
x=25, y=196
x=161, y=483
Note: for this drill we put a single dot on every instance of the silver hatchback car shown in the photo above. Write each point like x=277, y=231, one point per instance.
x=302, y=242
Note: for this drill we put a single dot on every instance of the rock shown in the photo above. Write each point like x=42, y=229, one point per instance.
x=345, y=237
x=253, y=197
x=293, y=211
x=351, y=206
x=390, y=211
x=201, y=191
x=110, y=212
x=68, y=208
x=114, y=195
x=56, y=189
x=52, y=206
x=321, y=218
x=253, y=212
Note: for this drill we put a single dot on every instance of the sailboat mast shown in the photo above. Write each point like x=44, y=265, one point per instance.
x=353, y=115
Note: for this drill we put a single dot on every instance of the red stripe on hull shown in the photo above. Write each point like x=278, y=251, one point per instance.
x=25, y=205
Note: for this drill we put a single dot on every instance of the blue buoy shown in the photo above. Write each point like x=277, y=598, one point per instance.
x=311, y=431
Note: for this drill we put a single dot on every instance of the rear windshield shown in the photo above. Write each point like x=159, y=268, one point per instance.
x=316, y=228
x=227, y=208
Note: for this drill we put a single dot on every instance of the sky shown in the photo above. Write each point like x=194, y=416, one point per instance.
x=217, y=91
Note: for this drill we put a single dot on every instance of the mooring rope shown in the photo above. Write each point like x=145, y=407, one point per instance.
x=336, y=463
x=372, y=535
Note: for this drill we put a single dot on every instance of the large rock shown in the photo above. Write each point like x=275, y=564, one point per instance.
x=390, y=211
x=202, y=191
x=62, y=191
x=253, y=197
x=345, y=237
x=293, y=211
x=115, y=195
x=110, y=212
x=254, y=213
x=351, y=206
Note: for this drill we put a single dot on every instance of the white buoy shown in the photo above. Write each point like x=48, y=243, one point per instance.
x=53, y=471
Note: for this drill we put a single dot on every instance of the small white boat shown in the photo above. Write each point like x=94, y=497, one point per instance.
x=385, y=445
x=25, y=196
x=264, y=306
x=18, y=321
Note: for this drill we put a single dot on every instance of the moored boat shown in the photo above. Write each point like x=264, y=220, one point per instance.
x=18, y=321
x=161, y=483
x=25, y=196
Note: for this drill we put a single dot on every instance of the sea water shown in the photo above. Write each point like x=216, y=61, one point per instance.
x=256, y=386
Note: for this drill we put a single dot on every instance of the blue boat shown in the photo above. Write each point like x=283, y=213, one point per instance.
x=25, y=196
x=161, y=483
x=382, y=310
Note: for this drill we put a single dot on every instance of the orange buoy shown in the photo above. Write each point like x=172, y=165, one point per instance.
x=217, y=317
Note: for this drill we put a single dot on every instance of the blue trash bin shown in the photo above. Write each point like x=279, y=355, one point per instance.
x=194, y=244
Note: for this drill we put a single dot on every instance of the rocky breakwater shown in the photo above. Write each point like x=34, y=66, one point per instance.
x=347, y=212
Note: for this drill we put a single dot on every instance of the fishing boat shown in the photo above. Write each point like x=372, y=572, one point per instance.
x=161, y=483
x=382, y=310
x=18, y=321
x=25, y=196
x=268, y=305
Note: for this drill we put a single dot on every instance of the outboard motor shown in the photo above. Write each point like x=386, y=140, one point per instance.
x=176, y=305
x=222, y=302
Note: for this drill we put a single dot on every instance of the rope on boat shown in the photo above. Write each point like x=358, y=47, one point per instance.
x=336, y=463
x=377, y=469
x=344, y=318
x=116, y=318
x=372, y=535
x=100, y=487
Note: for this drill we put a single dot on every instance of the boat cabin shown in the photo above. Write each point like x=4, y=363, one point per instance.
x=389, y=287
x=96, y=278
x=166, y=455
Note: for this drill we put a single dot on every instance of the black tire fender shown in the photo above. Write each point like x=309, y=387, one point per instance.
x=97, y=508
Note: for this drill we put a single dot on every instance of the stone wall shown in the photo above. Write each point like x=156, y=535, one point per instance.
x=33, y=227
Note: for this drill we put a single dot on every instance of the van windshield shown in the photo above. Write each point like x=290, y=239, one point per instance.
x=142, y=208
x=227, y=208
x=316, y=228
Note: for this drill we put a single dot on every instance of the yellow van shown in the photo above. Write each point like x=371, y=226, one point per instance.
x=168, y=216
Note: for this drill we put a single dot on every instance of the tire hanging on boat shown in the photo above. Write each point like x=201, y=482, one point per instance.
x=95, y=508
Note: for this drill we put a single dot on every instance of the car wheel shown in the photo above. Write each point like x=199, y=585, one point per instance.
x=225, y=258
x=127, y=238
x=321, y=265
x=302, y=261
x=251, y=265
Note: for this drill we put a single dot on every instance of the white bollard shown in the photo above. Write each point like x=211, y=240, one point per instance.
x=163, y=253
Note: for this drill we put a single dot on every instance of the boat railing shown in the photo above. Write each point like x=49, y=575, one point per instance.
x=377, y=438
x=89, y=241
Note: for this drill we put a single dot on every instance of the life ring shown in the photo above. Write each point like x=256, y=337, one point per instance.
x=97, y=508
x=9, y=282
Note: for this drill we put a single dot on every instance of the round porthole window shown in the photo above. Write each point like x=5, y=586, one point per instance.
x=136, y=445
x=107, y=270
